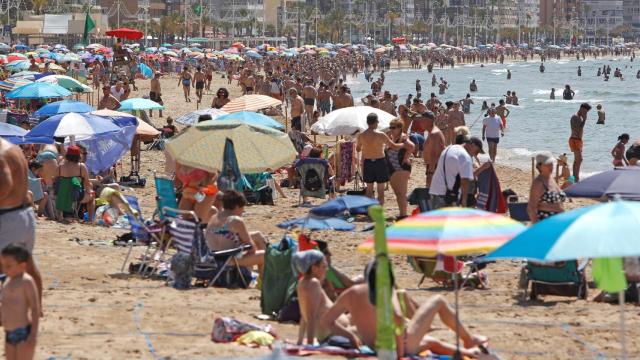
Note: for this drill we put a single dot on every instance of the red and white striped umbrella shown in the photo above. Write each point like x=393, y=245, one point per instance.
x=251, y=103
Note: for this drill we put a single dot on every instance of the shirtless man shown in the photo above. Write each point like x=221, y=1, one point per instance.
x=359, y=302
x=155, y=92
x=309, y=95
x=17, y=220
x=208, y=72
x=575, y=141
x=249, y=83
x=433, y=103
x=433, y=146
x=185, y=79
x=297, y=110
x=324, y=99
x=342, y=98
x=503, y=112
x=372, y=143
x=198, y=82
x=387, y=104
x=456, y=118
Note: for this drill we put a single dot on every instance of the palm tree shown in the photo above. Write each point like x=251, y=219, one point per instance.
x=38, y=6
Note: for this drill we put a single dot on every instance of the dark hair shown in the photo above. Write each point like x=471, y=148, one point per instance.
x=315, y=153
x=372, y=118
x=624, y=136
x=17, y=251
x=72, y=157
x=232, y=200
x=34, y=165
x=585, y=106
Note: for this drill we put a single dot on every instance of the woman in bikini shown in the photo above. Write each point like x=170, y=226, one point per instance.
x=399, y=164
x=546, y=197
x=198, y=190
x=185, y=80
x=221, y=99
x=227, y=230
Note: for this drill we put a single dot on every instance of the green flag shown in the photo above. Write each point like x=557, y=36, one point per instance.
x=88, y=26
x=198, y=9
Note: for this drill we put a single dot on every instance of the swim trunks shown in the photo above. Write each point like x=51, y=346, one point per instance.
x=309, y=101
x=209, y=77
x=375, y=171
x=493, y=140
x=199, y=85
x=296, y=123
x=575, y=144
x=153, y=96
x=16, y=336
x=18, y=225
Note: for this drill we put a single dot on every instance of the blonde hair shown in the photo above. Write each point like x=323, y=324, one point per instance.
x=461, y=130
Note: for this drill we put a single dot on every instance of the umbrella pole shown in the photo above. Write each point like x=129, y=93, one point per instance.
x=456, y=355
x=621, y=299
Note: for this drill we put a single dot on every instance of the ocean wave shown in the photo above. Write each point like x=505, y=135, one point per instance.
x=574, y=101
x=547, y=92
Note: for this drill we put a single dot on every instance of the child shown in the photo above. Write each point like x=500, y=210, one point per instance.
x=601, y=115
x=20, y=304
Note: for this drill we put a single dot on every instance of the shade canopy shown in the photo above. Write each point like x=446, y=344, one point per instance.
x=125, y=33
x=73, y=124
x=348, y=121
x=139, y=104
x=253, y=118
x=622, y=182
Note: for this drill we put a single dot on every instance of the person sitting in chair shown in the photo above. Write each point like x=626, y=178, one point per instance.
x=314, y=166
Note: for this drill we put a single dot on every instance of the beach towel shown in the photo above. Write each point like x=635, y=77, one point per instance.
x=226, y=330
x=489, y=193
x=256, y=338
x=68, y=191
x=309, y=350
x=608, y=274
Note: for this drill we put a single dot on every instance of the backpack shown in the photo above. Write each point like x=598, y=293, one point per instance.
x=312, y=180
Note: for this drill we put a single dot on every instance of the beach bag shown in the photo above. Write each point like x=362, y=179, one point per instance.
x=312, y=180
x=231, y=278
x=226, y=330
x=278, y=282
x=181, y=271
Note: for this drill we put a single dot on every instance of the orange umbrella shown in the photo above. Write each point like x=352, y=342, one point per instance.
x=251, y=103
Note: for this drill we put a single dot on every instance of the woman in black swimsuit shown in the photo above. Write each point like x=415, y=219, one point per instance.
x=221, y=99
x=546, y=197
x=399, y=164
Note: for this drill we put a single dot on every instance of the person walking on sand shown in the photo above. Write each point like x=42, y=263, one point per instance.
x=198, y=82
x=155, y=92
x=297, y=110
x=20, y=304
x=492, y=130
x=433, y=146
x=618, y=151
x=309, y=95
x=575, y=141
x=185, y=79
x=372, y=143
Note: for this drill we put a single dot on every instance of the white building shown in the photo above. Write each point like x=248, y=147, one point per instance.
x=632, y=13
x=529, y=13
x=602, y=16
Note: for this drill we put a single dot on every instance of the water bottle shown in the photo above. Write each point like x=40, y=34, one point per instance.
x=85, y=217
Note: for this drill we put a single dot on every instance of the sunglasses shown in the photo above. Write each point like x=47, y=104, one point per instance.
x=395, y=127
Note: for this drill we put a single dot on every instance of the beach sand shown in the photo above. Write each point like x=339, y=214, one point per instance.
x=93, y=311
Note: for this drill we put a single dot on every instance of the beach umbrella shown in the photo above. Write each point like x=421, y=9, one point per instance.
x=123, y=119
x=252, y=118
x=622, y=182
x=21, y=47
x=192, y=117
x=317, y=223
x=257, y=147
x=139, y=104
x=64, y=106
x=170, y=53
x=66, y=82
x=250, y=103
x=18, y=65
x=17, y=135
x=602, y=231
x=125, y=33
x=81, y=126
x=341, y=204
x=449, y=231
x=10, y=83
x=78, y=47
x=38, y=90
x=4, y=46
x=347, y=121
x=253, y=54
x=166, y=45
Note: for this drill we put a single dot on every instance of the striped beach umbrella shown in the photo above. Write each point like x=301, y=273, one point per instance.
x=449, y=231
x=250, y=103
x=11, y=83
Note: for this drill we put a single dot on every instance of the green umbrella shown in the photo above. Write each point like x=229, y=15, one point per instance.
x=258, y=148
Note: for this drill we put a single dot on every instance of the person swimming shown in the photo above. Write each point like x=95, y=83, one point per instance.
x=568, y=94
x=552, y=96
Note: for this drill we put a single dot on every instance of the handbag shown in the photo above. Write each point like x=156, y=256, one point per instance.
x=450, y=196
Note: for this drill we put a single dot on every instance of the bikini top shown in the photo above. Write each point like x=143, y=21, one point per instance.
x=552, y=197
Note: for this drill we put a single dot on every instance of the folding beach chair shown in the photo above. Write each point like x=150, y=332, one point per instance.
x=165, y=195
x=219, y=268
x=564, y=278
x=314, y=180
x=142, y=232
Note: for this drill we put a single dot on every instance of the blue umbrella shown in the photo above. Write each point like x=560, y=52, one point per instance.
x=73, y=124
x=253, y=54
x=139, y=104
x=318, y=223
x=16, y=135
x=21, y=47
x=621, y=182
x=192, y=117
x=252, y=118
x=38, y=90
x=352, y=203
x=64, y=106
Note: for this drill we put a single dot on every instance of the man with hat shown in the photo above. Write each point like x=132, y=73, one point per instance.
x=108, y=101
x=450, y=182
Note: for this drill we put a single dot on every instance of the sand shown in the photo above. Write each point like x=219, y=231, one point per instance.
x=93, y=311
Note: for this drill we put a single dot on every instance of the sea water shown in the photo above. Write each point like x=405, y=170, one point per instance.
x=538, y=123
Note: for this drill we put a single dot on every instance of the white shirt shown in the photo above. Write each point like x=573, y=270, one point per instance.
x=457, y=161
x=117, y=94
x=494, y=125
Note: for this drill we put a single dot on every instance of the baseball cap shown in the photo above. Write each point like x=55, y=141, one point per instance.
x=477, y=142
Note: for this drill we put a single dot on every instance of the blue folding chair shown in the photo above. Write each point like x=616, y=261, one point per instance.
x=141, y=231
x=165, y=196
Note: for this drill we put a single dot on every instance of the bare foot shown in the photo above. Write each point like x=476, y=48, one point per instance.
x=476, y=340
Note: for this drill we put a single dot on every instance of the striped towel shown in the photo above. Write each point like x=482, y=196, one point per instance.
x=183, y=233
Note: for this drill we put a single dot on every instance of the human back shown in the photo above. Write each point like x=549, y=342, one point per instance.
x=13, y=176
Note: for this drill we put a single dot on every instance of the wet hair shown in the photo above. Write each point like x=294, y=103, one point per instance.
x=372, y=118
x=16, y=251
x=624, y=136
x=233, y=199
x=585, y=106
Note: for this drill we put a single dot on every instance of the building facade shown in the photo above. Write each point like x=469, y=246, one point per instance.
x=529, y=13
x=602, y=16
x=631, y=16
x=560, y=11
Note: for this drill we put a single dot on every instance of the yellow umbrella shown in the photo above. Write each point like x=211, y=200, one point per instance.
x=257, y=148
